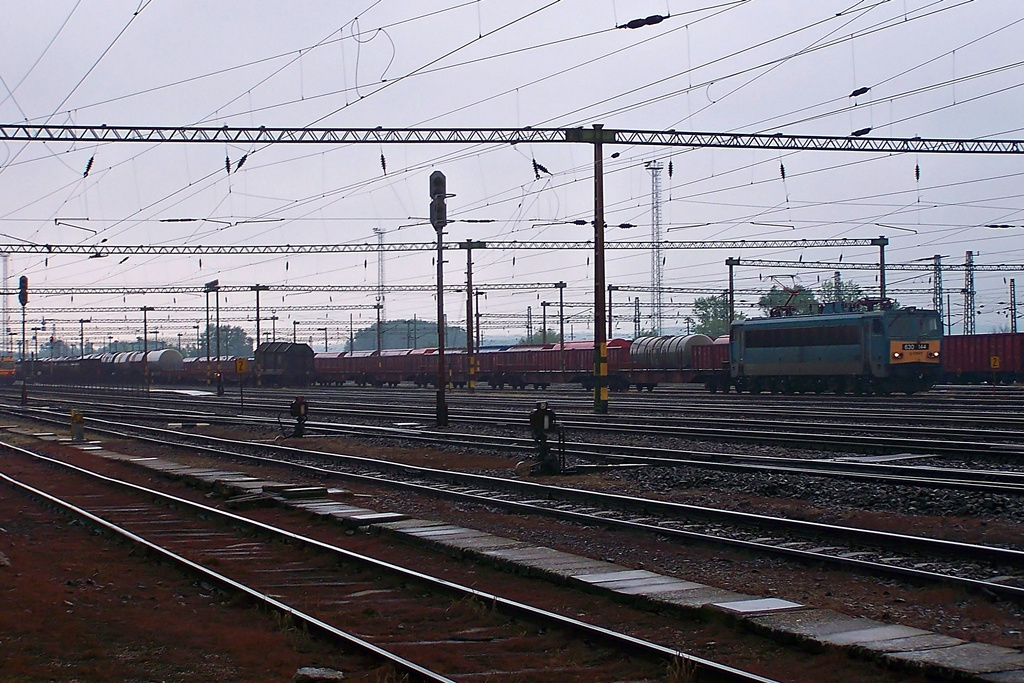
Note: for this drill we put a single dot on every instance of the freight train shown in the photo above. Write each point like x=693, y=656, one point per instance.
x=866, y=351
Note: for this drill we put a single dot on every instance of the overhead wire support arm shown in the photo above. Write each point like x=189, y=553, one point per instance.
x=195, y=250
x=156, y=289
x=839, y=265
x=669, y=138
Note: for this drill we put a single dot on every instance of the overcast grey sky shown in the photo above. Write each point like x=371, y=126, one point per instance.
x=935, y=68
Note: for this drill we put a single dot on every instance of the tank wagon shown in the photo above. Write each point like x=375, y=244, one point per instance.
x=655, y=360
x=162, y=366
x=880, y=350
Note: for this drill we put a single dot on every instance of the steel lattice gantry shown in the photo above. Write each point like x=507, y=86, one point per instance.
x=839, y=265
x=292, y=289
x=460, y=136
x=99, y=251
x=597, y=137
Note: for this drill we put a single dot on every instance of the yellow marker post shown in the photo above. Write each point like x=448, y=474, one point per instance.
x=77, y=425
x=241, y=367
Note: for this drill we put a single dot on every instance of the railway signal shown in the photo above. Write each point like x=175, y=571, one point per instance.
x=438, y=219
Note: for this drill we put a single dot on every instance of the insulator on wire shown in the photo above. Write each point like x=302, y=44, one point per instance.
x=859, y=91
x=646, y=21
x=88, y=166
x=227, y=164
x=669, y=168
x=538, y=169
x=860, y=132
x=383, y=164
x=917, y=172
x=782, y=170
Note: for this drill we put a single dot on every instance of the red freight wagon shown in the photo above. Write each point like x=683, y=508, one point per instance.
x=996, y=358
x=711, y=356
x=711, y=362
x=329, y=368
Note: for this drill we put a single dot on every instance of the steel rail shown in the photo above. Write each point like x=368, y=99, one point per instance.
x=505, y=605
x=208, y=574
x=535, y=492
x=981, y=481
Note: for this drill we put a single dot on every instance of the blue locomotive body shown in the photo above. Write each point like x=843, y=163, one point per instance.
x=883, y=350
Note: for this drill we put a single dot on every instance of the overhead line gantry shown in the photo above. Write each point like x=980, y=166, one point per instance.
x=100, y=251
x=597, y=137
x=597, y=134
x=291, y=289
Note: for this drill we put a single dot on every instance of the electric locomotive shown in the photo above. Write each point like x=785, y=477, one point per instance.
x=874, y=348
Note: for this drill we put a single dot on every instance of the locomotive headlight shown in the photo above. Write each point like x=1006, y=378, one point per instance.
x=897, y=354
x=933, y=354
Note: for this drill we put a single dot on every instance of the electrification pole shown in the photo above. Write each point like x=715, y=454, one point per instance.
x=145, y=346
x=469, y=246
x=732, y=263
x=561, y=327
x=600, y=340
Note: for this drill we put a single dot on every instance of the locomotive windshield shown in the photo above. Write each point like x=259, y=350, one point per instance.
x=914, y=326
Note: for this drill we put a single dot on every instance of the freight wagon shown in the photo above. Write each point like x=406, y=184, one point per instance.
x=990, y=358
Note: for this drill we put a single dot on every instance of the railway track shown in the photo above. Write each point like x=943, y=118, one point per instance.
x=997, y=571
x=921, y=439
x=433, y=629
x=983, y=481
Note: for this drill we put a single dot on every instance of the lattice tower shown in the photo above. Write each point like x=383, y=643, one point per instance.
x=655, y=167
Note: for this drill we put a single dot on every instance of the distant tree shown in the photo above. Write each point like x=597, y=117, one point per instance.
x=538, y=338
x=847, y=291
x=712, y=313
x=53, y=349
x=233, y=341
x=802, y=301
x=403, y=333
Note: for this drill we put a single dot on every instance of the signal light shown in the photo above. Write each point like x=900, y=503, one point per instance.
x=438, y=213
x=438, y=208
x=438, y=184
x=23, y=290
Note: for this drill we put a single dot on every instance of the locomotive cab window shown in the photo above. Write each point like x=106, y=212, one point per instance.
x=876, y=327
x=836, y=335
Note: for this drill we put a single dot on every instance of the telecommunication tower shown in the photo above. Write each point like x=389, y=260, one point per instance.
x=380, y=270
x=969, y=293
x=937, y=285
x=7, y=319
x=1013, y=306
x=655, y=167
